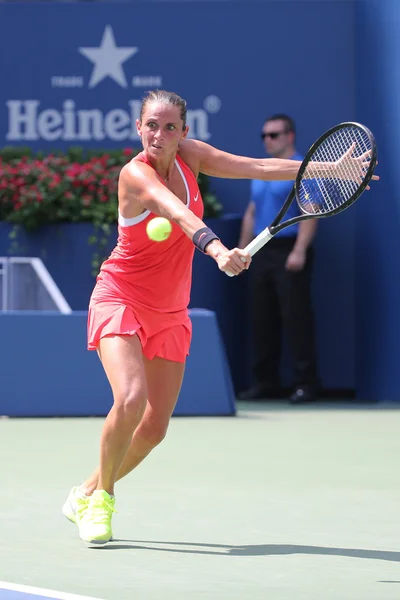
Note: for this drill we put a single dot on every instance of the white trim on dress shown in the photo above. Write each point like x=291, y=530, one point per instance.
x=124, y=222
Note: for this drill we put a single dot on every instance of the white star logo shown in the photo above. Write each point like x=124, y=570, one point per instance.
x=108, y=59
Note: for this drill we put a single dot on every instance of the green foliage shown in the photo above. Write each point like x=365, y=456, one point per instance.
x=72, y=186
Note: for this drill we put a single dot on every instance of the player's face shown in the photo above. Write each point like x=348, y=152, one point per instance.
x=277, y=139
x=161, y=129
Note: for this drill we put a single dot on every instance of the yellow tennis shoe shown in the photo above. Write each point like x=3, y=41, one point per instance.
x=76, y=502
x=94, y=522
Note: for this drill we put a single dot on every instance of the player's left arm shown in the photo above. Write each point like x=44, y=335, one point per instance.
x=216, y=163
x=207, y=159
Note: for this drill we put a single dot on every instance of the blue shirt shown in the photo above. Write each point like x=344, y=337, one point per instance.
x=269, y=197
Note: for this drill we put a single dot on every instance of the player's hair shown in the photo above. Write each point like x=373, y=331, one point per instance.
x=166, y=98
x=290, y=125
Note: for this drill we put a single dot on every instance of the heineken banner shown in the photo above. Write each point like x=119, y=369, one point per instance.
x=74, y=74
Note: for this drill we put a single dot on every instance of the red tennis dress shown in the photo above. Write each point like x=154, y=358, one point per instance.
x=143, y=288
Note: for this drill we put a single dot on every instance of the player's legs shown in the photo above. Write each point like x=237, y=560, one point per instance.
x=164, y=380
x=122, y=360
x=164, y=357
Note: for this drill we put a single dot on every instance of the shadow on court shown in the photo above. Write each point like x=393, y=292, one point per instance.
x=252, y=550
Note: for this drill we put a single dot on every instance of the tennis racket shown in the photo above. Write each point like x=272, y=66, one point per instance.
x=333, y=174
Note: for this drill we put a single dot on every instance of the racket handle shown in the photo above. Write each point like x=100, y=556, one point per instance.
x=255, y=245
x=258, y=242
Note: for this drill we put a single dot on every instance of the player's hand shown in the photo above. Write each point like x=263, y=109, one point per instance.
x=296, y=260
x=233, y=261
x=354, y=167
x=230, y=261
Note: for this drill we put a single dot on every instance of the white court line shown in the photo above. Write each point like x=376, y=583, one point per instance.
x=26, y=589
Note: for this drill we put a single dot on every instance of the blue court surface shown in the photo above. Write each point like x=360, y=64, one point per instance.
x=11, y=591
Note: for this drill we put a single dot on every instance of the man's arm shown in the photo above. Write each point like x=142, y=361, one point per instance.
x=247, y=228
x=306, y=233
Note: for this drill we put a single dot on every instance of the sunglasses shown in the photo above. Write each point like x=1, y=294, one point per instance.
x=273, y=135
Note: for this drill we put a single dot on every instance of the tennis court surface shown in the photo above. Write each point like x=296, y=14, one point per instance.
x=278, y=503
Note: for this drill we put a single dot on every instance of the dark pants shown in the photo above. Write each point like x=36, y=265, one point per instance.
x=281, y=304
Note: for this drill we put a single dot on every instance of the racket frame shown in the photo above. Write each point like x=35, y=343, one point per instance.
x=258, y=242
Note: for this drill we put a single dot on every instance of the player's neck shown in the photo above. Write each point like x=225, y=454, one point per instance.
x=164, y=167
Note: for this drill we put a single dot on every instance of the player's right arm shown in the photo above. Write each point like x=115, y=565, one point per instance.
x=140, y=189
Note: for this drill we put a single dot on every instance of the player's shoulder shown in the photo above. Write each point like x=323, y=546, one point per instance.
x=189, y=149
x=190, y=152
x=135, y=166
x=189, y=146
x=136, y=174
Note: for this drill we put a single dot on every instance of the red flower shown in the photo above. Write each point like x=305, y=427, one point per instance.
x=71, y=191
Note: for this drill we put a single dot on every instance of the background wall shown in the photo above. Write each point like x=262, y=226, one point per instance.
x=235, y=63
x=377, y=46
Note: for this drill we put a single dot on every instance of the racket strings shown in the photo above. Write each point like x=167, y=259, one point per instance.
x=319, y=194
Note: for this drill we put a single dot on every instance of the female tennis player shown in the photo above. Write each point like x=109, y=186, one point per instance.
x=138, y=314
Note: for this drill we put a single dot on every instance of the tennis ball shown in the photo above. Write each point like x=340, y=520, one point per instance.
x=158, y=229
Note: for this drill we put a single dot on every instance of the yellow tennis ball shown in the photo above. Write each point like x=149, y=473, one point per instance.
x=158, y=229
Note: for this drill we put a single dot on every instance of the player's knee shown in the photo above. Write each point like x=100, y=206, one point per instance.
x=154, y=434
x=131, y=404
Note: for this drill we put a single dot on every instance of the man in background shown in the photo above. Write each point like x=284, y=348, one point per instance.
x=280, y=279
